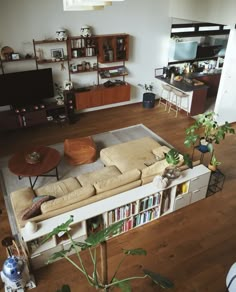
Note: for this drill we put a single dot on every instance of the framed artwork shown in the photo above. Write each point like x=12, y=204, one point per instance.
x=15, y=56
x=57, y=54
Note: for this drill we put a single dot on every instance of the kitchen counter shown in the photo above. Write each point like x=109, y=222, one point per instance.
x=197, y=94
x=184, y=85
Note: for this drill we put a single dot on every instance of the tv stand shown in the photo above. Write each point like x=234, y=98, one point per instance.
x=27, y=116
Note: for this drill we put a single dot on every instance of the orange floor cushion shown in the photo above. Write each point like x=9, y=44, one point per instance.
x=80, y=150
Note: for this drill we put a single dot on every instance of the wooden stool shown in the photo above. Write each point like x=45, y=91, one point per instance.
x=176, y=100
x=166, y=90
x=80, y=150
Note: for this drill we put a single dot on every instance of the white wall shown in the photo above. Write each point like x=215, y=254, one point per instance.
x=146, y=21
x=223, y=12
x=214, y=11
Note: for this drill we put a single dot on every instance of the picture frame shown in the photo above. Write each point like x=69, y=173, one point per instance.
x=57, y=54
x=15, y=56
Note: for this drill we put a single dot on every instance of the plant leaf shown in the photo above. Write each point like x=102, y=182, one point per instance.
x=188, y=160
x=57, y=255
x=172, y=156
x=64, y=227
x=124, y=285
x=100, y=236
x=159, y=279
x=137, y=251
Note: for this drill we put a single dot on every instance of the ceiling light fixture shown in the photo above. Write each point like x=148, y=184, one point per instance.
x=80, y=5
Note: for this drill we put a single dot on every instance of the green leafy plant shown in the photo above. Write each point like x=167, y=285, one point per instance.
x=173, y=158
x=147, y=87
x=94, y=279
x=207, y=127
x=214, y=161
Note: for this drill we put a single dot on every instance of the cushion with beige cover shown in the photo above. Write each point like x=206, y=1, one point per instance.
x=92, y=177
x=130, y=155
x=159, y=152
x=60, y=188
x=117, y=181
x=69, y=199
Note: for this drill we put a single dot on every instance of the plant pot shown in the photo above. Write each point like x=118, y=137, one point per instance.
x=148, y=100
x=212, y=167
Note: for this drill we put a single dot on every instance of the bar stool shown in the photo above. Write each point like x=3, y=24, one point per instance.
x=165, y=95
x=176, y=100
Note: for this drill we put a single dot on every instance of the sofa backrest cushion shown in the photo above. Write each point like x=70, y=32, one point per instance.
x=104, y=173
x=71, y=198
x=60, y=188
x=117, y=181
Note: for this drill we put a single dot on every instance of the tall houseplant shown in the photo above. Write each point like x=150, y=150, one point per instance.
x=96, y=279
x=206, y=131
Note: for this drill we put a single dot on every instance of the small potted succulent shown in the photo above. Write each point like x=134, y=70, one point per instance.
x=213, y=163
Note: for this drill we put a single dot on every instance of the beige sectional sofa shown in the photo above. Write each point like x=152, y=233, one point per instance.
x=126, y=166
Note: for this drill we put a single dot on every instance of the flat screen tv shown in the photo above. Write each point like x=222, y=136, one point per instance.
x=26, y=87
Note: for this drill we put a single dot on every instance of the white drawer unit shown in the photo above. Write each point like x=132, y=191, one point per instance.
x=199, y=181
x=198, y=194
x=182, y=201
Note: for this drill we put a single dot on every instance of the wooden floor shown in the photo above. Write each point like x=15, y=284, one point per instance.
x=194, y=246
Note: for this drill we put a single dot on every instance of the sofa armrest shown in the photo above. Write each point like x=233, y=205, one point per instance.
x=21, y=200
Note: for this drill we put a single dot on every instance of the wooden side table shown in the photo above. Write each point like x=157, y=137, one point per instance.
x=49, y=160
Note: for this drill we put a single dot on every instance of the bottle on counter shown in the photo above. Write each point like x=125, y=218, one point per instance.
x=172, y=77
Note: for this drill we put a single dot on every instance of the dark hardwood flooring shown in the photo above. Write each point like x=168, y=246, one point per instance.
x=194, y=246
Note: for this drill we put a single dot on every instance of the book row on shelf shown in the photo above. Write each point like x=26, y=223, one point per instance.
x=149, y=202
x=139, y=219
x=133, y=208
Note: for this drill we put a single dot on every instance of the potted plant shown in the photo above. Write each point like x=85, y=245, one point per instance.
x=148, y=96
x=206, y=131
x=173, y=157
x=213, y=163
x=96, y=279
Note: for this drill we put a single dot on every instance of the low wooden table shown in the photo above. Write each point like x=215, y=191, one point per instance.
x=49, y=160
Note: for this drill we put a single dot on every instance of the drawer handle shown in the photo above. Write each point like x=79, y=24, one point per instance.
x=196, y=191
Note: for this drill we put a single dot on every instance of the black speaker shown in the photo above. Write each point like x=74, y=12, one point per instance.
x=69, y=97
x=148, y=100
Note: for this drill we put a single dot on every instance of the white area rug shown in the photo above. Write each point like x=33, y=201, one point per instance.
x=10, y=182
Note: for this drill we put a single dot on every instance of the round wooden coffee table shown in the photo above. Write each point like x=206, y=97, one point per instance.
x=49, y=160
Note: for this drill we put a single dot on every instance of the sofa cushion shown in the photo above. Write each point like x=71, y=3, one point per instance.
x=90, y=178
x=60, y=188
x=155, y=169
x=159, y=152
x=35, y=208
x=73, y=197
x=117, y=181
x=129, y=155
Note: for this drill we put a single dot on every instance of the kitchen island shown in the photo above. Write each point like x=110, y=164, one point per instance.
x=197, y=93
